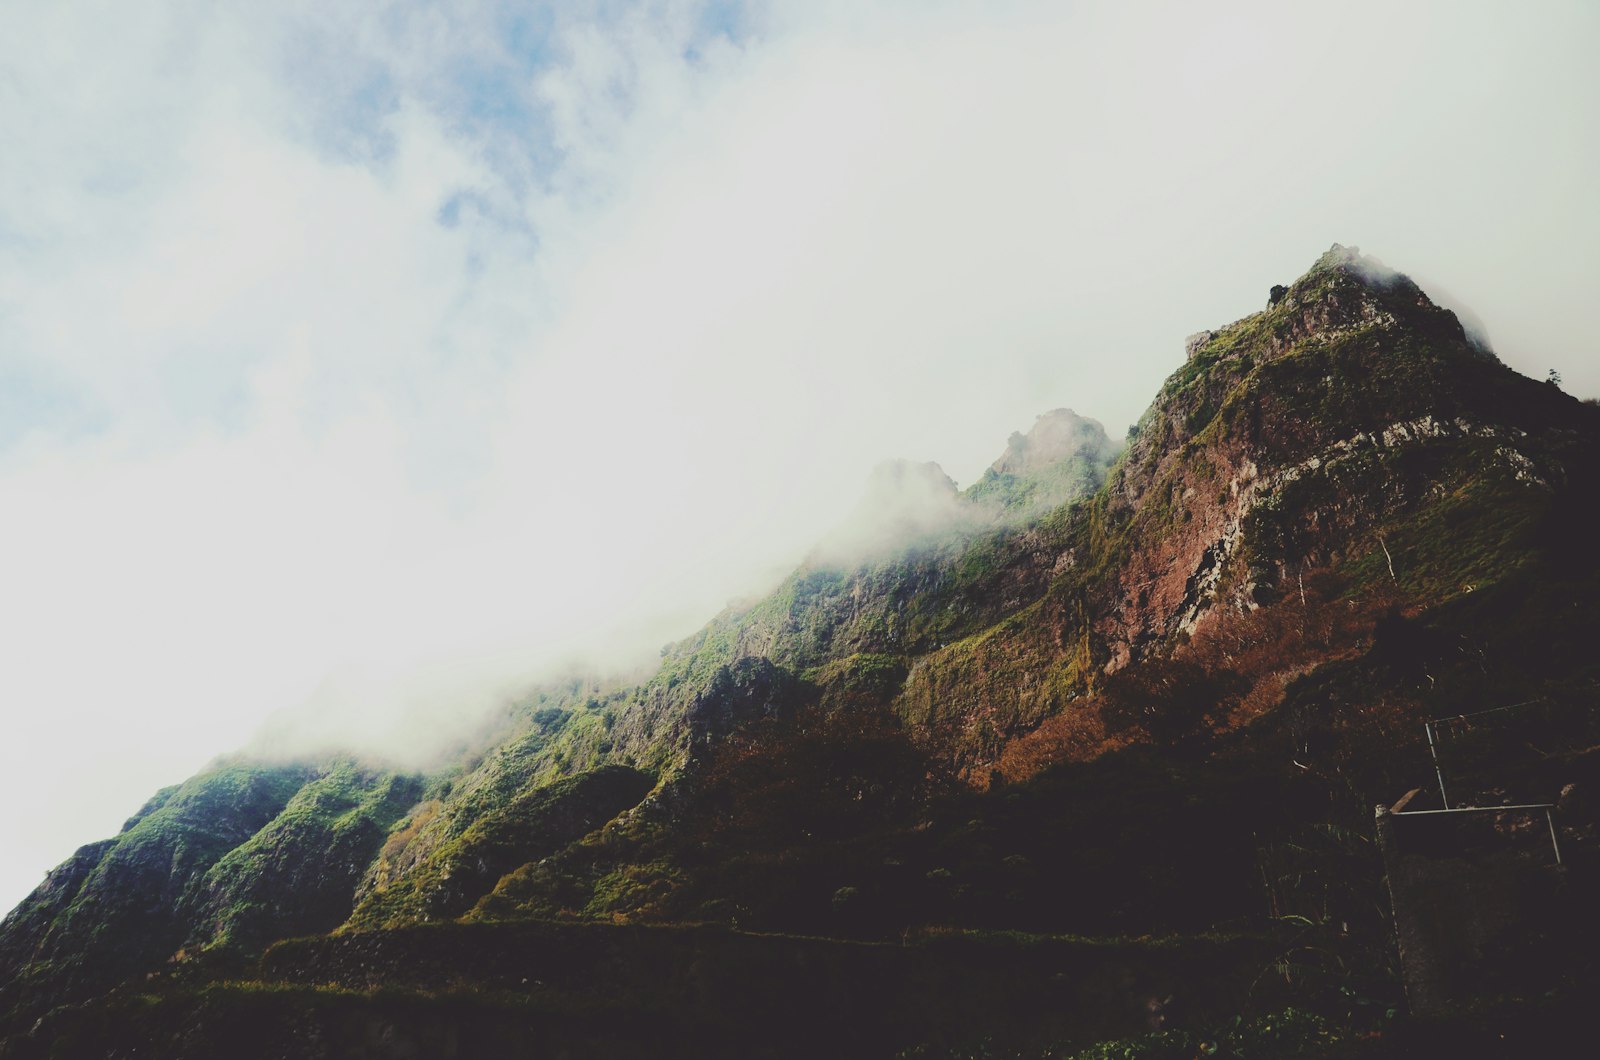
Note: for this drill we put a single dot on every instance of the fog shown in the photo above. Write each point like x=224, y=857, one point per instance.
x=365, y=362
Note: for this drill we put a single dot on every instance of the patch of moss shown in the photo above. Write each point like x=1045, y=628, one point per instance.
x=532, y=824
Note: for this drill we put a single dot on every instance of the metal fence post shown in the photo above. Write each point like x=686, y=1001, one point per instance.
x=1550, y=819
x=1434, y=751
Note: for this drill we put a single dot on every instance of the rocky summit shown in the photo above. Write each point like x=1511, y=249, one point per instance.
x=1082, y=760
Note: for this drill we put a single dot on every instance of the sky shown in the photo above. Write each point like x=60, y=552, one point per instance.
x=365, y=361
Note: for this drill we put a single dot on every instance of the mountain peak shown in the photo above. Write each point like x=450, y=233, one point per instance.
x=1341, y=256
x=1349, y=262
x=1062, y=457
x=902, y=502
x=1345, y=270
x=1343, y=291
x=1057, y=435
x=892, y=479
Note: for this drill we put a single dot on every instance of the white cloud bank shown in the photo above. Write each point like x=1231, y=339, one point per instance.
x=380, y=357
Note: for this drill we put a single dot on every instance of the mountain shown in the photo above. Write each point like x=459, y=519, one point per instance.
x=1085, y=751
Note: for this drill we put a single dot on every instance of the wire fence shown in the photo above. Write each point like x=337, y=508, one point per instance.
x=1512, y=753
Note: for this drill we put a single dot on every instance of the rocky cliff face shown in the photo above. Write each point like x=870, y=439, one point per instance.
x=1292, y=436
x=1312, y=483
x=1351, y=414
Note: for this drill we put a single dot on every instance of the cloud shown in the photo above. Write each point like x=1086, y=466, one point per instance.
x=376, y=357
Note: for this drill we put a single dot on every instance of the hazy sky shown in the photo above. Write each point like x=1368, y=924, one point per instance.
x=375, y=355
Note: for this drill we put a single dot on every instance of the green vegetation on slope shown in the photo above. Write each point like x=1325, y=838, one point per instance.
x=529, y=826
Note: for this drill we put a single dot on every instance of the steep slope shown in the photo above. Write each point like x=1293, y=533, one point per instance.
x=837, y=634
x=239, y=855
x=1338, y=517
x=1349, y=419
x=1291, y=437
